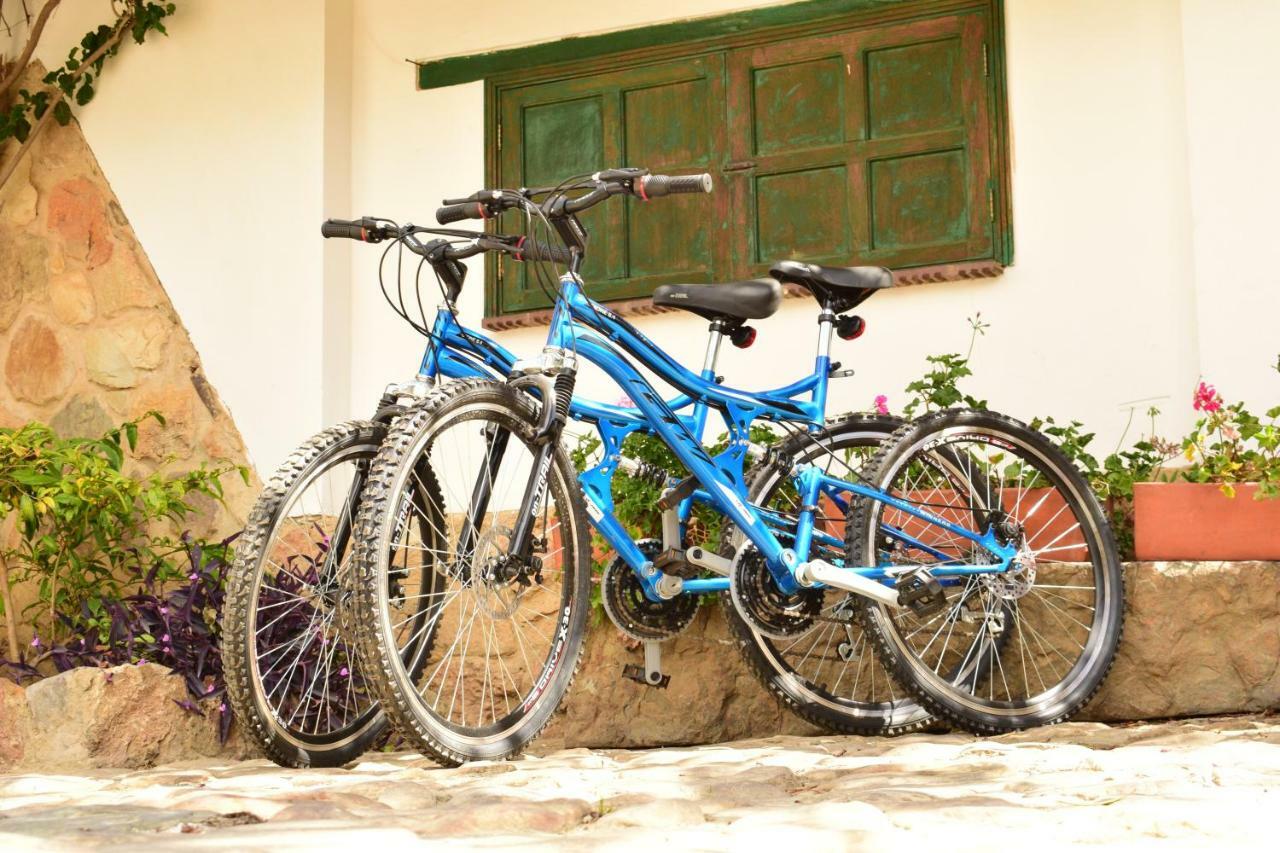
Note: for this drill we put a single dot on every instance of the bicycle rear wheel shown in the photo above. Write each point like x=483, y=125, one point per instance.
x=1048, y=628
x=829, y=675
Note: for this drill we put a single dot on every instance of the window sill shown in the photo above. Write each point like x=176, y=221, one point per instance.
x=640, y=307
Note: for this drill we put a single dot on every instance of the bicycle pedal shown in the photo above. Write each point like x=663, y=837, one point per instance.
x=636, y=673
x=920, y=592
x=672, y=562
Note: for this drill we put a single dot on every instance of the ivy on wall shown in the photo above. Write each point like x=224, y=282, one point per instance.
x=24, y=113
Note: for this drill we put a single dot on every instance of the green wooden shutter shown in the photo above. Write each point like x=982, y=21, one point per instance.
x=867, y=147
x=668, y=117
x=873, y=138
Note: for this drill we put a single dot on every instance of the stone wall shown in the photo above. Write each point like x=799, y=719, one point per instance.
x=88, y=337
x=1200, y=639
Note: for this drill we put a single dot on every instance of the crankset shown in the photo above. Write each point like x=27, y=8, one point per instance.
x=765, y=608
x=633, y=612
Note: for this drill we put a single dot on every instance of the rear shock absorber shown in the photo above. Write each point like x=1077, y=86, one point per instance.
x=645, y=472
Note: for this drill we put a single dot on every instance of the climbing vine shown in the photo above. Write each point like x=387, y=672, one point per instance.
x=24, y=112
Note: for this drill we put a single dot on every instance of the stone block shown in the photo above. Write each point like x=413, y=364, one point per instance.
x=123, y=283
x=78, y=213
x=81, y=417
x=126, y=716
x=37, y=367
x=71, y=298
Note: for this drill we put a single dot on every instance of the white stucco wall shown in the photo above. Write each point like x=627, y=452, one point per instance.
x=1233, y=122
x=1142, y=198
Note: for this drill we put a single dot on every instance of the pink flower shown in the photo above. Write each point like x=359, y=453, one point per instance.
x=1231, y=433
x=1206, y=399
x=164, y=611
x=882, y=404
x=35, y=641
x=165, y=638
x=222, y=707
x=193, y=576
x=344, y=672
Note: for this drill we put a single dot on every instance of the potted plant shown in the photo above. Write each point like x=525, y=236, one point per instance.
x=1221, y=506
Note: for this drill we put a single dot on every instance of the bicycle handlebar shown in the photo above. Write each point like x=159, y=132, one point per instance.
x=487, y=204
x=462, y=210
x=371, y=230
x=656, y=186
x=365, y=229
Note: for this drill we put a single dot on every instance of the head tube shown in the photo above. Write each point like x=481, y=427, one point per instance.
x=440, y=332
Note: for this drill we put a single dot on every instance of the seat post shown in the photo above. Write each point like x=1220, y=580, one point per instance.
x=713, y=350
x=826, y=322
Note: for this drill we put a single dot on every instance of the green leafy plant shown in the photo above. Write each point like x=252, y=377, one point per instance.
x=1114, y=477
x=938, y=387
x=1230, y=445
x=85, y=527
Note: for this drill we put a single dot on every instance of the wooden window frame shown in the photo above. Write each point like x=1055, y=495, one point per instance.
x=616, y=52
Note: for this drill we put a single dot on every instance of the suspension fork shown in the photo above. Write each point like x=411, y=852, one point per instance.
x=496, y=440
x=342, y=529
x=388, y=410
x=556, y=391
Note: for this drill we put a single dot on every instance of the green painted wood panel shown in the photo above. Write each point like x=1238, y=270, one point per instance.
x=668, y=117
x=879, y=143
x=914, y=88
x=800, y=105
x=919, y=200
x=802, y=214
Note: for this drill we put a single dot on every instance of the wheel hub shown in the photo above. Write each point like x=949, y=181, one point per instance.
x=1018, y=580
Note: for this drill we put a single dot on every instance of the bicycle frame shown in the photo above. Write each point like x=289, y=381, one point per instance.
x=605, y=339
x=455, y=352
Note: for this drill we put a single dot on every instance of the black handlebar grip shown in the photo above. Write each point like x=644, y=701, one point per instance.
x=343, y=228
x=455, y=212
x=654, y=186
x=536, y=250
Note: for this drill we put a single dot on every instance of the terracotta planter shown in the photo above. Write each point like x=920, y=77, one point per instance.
x=1196, y=521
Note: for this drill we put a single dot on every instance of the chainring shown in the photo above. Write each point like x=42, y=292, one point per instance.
x=758, y=600
x=633, y=612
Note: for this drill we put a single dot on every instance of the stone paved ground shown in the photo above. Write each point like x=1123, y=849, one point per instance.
x=1187, y=784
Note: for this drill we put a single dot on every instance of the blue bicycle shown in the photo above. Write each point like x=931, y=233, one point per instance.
x=969, y=549
x=296, y=683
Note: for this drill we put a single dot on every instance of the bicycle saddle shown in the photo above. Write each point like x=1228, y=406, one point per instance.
x=733, y=301
x=840, y=287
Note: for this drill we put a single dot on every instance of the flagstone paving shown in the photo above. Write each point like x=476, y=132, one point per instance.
x=1188, y=784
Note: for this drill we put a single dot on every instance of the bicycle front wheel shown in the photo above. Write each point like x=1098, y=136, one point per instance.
x=480, y=676
x=294, y=680
x=1006, y=650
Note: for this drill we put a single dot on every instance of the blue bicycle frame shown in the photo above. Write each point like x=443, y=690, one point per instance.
x=597, y=334
x=456, y=352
